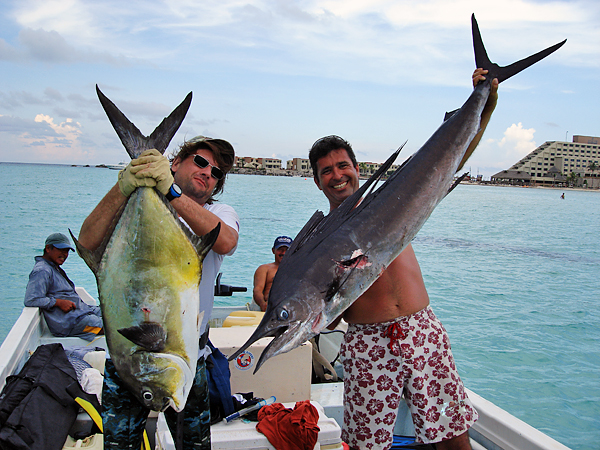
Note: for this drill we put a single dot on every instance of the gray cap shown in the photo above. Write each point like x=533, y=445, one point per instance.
x=59, y=240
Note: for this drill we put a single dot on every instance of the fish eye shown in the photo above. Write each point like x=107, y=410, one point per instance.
x=283, y=314
x=147, y=395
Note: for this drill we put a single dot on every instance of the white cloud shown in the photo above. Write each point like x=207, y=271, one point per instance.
x=71, y=130
x=394, y=40
x=493, y=155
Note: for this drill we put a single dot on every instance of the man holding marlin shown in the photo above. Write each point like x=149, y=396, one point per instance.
x=395, y=345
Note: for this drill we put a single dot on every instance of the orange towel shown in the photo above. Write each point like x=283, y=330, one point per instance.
x=290, y=429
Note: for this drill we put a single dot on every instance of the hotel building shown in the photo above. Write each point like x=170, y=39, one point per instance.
x=555, y=162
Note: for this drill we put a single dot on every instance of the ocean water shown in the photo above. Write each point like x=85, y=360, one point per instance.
x=511, y=272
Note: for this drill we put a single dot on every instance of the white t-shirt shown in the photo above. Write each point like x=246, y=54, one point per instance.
x=212, y=262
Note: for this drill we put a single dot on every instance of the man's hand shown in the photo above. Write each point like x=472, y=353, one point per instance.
x=478, y=75
x=151, y=164
x=151, y=169
x=65, y=305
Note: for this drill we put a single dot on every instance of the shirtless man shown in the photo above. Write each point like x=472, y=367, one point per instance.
x=395, y=345
x=263, y=277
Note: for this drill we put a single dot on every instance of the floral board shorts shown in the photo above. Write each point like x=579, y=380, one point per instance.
x=408, y=356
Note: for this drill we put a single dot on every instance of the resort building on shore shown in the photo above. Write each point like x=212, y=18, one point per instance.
x=295, y=166
x=557, y=163
x=299, y=165
x=265, y=165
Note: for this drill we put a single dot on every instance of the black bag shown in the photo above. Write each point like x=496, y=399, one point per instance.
x=218, y=374
x=36, y=410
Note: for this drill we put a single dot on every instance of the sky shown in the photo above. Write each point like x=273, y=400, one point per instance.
x=272, y=76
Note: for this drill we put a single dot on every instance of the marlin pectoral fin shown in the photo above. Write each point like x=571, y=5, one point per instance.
x=503, y=73
x=132, y=138
x=457, y=182
x=148, y=335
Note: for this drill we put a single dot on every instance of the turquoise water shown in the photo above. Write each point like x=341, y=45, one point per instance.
x=512, y=273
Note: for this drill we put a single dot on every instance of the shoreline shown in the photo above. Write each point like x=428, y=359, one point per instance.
x=285, y=173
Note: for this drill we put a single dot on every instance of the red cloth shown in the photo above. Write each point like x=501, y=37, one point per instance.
x=290, y=429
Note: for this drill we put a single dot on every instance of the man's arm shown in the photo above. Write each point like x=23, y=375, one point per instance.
x=36, y=293
x=202, y=221
x=486, y=114
x=260, y=279
x=97, y=224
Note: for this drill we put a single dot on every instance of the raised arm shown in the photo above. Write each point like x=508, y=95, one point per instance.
x=202, y=221
x=486, y=114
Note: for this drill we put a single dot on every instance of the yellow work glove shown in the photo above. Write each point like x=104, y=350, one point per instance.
x=128, y=182
x=150, y=169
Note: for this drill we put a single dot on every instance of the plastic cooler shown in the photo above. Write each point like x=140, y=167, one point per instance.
x=240, y=434
x=286, y=376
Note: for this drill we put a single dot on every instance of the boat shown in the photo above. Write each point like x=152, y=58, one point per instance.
x=122, y=165
x=496, y=429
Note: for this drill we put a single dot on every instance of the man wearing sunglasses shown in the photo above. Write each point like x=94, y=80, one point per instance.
x=190, y=183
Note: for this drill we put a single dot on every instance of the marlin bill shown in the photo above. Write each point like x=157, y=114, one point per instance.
x=148, y=270
x=336, y=258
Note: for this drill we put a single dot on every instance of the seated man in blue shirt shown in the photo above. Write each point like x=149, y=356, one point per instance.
x=50, y=289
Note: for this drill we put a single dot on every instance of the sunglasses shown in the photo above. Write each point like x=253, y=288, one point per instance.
x=202, y=162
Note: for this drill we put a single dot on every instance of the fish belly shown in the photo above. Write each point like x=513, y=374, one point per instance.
x=150, y=272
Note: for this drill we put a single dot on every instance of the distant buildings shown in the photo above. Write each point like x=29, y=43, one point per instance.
x=295, y=166
x=556, y=163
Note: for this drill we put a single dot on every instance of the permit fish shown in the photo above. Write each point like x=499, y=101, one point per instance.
x=148, y=270
x=336, y=258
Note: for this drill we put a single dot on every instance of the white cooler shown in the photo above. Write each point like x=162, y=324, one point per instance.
x=241, y=435
x=286, y=376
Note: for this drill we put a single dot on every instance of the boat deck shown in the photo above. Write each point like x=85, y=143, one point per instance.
x=495, y=429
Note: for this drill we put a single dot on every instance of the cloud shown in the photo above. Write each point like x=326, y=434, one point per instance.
x=493, y=155
x=68, y=128
x=394, y=41
x=50, y=47
x=7, y=52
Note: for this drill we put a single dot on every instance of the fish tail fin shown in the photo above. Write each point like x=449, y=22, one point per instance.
x=503, y=73
x=205, y=243
x=132, y=138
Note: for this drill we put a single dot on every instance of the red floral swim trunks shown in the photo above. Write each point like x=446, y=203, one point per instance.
x=409, y=356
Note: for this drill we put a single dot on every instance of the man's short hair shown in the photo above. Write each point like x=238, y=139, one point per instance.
x=326, y=145
x=222, y=151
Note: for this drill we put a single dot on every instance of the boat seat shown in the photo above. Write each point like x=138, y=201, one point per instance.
x=243, y=318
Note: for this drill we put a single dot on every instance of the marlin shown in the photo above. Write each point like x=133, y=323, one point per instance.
x=336, y=258
x=148, y=270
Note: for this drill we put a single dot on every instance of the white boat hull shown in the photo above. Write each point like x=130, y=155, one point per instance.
x=496, y=429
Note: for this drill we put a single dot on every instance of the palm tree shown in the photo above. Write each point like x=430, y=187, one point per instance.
x=592, y=167
x=572, y=179
x=362, y=168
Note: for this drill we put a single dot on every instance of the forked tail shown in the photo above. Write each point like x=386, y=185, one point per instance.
x=503, y=73
x=133, y=140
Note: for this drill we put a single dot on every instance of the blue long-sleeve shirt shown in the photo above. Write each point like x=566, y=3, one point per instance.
x=47, y=282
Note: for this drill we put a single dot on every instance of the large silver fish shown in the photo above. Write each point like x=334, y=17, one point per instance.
x=335, y=259
x=148, y=269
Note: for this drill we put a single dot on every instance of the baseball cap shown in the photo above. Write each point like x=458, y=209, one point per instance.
x=59, y=240
x=282, y=241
